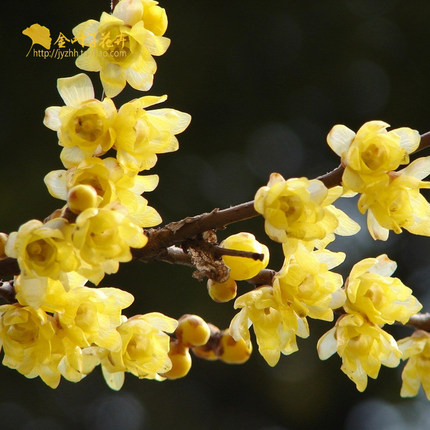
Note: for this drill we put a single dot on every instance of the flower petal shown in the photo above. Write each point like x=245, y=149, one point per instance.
x=76, y=89
x=339, y=138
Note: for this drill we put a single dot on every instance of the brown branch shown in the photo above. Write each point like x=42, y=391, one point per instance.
x=175, y=233
x=8, y=267
x=420, y=321
x=191, y=227
x=425, y=141
x=265, y=277
x=7, y=291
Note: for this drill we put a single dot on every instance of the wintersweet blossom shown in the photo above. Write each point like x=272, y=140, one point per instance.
x=111, y=184
x=395, y=202
x=302, y=209
x=43, y=250
x=363, y=347
x=84, y=125
x=122, y=46
x=29, y=344
x=416, y=349
x=372, y=152
x=275, y=325
x=103, y=237
x=142, y=133
x=90, y=316
x=153, y=16
x=144, y=351
x=306, y=284
x=371, y=291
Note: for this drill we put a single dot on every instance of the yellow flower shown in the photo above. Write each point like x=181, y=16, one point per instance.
x=43, y=250
x=242, y=268
x=90, y=316
x=121, y=46
x=77, y=362
x=154, y=17
x=371, y=291
x=29, y=344
x=111, y=184
x=416, y=349
x=144, y=352
x=103, y=238
x=84, y=125
x=306, y=283
x=395, y=202
x=363, y=347
x=141, y=133
x=301, y=208
x=46, y=293
x=275, y=326
x=372, y=151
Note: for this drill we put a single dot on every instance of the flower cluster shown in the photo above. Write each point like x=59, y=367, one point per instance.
x=391, y=198
x=59, y=326
x=373, y=299
x=72, y=332
x=304, y=287
x=298, y=212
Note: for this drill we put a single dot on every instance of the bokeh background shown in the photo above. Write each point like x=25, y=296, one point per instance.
x=264, y=82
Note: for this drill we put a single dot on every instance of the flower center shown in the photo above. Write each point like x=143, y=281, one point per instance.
x=89, y=127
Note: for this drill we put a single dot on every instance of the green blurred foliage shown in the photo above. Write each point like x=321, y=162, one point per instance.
x=264, y=82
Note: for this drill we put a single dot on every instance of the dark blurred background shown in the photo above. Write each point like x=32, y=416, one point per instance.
x=264, y=82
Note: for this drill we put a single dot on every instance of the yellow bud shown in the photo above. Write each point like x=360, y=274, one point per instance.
x=207, y=351
x=222, y=292
x=242, y=268
x=181, y=360
x=233, y=352
x=82, y=197
x=192, y=330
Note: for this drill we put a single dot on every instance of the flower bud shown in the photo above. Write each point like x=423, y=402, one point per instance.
x=231, y=351
x=82, y=197
x=242, y=268
x=192, y=330
x=222, y=292
x=181, y=360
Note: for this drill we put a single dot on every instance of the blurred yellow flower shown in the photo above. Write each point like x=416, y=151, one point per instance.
x=300, y=208
x=363, y=347
x=416, y=349
x=84, y=125
x=90, y=316
x=29, y=344
x=371, y=291
x=144, y=352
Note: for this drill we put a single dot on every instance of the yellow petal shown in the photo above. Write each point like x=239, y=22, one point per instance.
x=76, y=89
x=339, y=138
